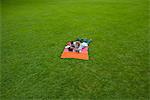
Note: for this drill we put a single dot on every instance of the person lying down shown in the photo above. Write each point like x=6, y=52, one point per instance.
x=78, y=45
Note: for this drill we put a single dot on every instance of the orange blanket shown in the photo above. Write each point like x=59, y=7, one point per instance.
x=83, y=55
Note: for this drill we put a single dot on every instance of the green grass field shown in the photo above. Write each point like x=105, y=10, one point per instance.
x=34, y=33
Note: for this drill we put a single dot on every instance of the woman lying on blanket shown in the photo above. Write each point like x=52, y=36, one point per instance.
x=78, y=45
x=83, y=44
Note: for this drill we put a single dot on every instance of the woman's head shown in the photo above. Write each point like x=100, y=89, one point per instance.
x=78, y=43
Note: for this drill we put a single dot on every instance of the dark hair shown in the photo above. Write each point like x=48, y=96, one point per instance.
x=70, y=49
x=71, y=42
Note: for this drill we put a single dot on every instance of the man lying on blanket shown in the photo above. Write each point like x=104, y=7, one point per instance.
x=78, y=45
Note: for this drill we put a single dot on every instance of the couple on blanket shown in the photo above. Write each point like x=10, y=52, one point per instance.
x=78, y=45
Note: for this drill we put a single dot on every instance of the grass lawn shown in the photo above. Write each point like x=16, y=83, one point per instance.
x=34, y=33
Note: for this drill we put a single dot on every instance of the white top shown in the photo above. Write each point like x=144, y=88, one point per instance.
x=82, y=45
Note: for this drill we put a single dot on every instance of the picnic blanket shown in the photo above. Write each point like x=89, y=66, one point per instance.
x=83, y=55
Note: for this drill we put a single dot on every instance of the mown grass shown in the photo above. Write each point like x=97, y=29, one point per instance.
x=33, y=37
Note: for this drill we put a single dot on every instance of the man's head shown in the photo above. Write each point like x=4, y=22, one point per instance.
x=71, y=42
